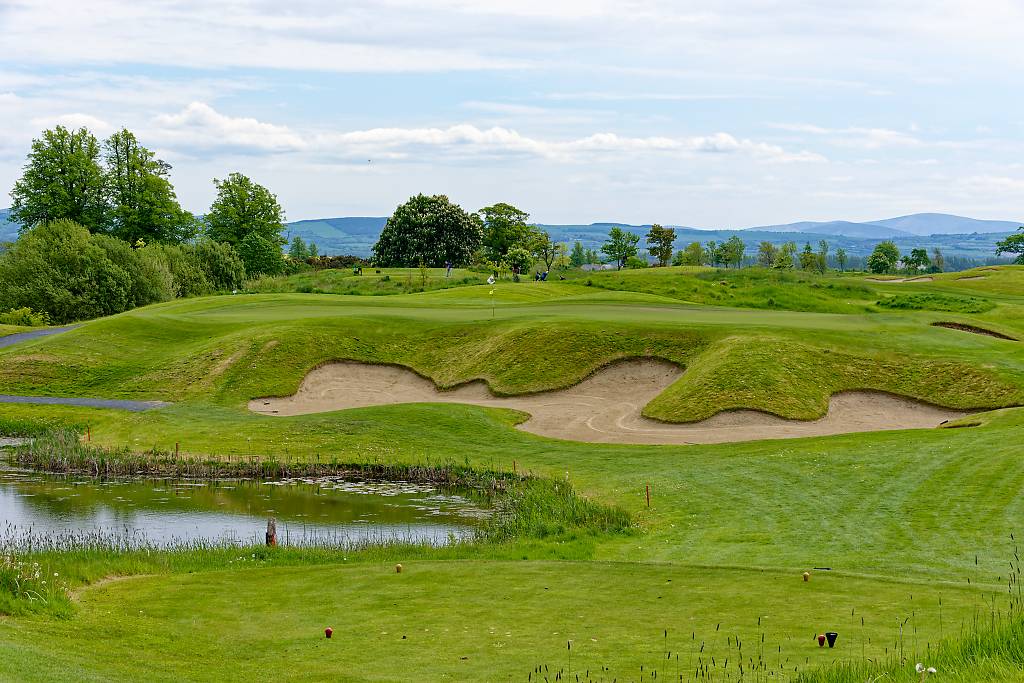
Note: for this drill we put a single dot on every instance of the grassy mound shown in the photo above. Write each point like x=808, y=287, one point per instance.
x=936, y=302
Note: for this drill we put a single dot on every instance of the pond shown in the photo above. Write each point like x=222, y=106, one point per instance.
x=309, y=511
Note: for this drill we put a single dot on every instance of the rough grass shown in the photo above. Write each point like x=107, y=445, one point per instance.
x=745, y=288
x=936, y=302
x=370, y=283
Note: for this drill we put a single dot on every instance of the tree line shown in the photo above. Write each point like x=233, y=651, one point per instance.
x=101, y=231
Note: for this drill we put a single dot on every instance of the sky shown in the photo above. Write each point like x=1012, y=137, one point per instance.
x=727, y=114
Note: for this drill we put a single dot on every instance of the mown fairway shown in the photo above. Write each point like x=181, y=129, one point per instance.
x=903, y=519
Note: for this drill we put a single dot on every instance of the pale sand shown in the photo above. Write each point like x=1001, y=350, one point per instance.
x=897, y=280
x=604, y=408
x=972, y=277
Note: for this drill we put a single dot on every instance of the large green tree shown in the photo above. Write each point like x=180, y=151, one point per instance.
x=546, y=250
x=841, y=258
x=732, y=251
x=659, y=242
x=260, y=255
x=297, y=250
x=429, y=230
x=822, y=263
x=693, y=255
x=917, y=261
x=620, y=246
x=142, y=200
x=244, y=208
x=884, y=258
x=578, y=256
x=766, y=253
x=506, y=227
x=1014, y=244
x=784, y=258
x=62, y=180
x=808, y=259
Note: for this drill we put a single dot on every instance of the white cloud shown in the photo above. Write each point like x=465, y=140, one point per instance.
x=75, y=120
x=200, y=127
x=856, y=137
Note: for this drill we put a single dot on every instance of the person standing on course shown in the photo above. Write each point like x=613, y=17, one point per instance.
x=448, y=268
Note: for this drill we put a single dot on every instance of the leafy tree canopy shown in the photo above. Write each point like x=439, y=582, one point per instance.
x=620, y=246
x=766, y=253
x=1014, y=244
x=884, y=258
x=298, y=250
x=693, y=255
x=431, y=230
x=660, y=241
x=260, y=255
x=732, y=251
x=141, y=198
x=244, y=208
x=506, y=227
x=62, y=180
x=578, y=256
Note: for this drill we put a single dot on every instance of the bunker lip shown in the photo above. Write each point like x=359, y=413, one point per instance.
x=603, y=408
x=963, y=327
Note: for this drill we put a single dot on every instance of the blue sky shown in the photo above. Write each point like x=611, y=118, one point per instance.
x=725, y=114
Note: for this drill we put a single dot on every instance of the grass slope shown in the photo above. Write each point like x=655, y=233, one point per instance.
x=902, y=517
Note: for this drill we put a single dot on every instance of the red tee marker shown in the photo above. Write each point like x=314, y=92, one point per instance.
x=328, y=631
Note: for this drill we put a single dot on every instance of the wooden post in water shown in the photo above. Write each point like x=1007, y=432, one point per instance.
x=271, y=532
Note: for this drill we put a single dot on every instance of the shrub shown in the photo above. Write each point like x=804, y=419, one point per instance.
x=150, y=279
x=57, y=268
x=24, y=316
x=189, y=278
x=221, y=264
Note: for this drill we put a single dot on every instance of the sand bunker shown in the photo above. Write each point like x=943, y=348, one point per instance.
x=602, y=409
x=897, y=280
x=971, y=277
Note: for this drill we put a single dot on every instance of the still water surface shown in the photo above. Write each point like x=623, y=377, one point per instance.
x=323, y=510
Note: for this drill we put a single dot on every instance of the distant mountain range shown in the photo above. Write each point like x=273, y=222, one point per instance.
x=920, y=224
x=955, y=235
x=8, y=230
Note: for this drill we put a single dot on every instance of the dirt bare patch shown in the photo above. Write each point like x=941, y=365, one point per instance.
x=974, y=330
x=604, y=408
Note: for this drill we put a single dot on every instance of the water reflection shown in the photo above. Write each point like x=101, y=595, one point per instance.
x=314, y=510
